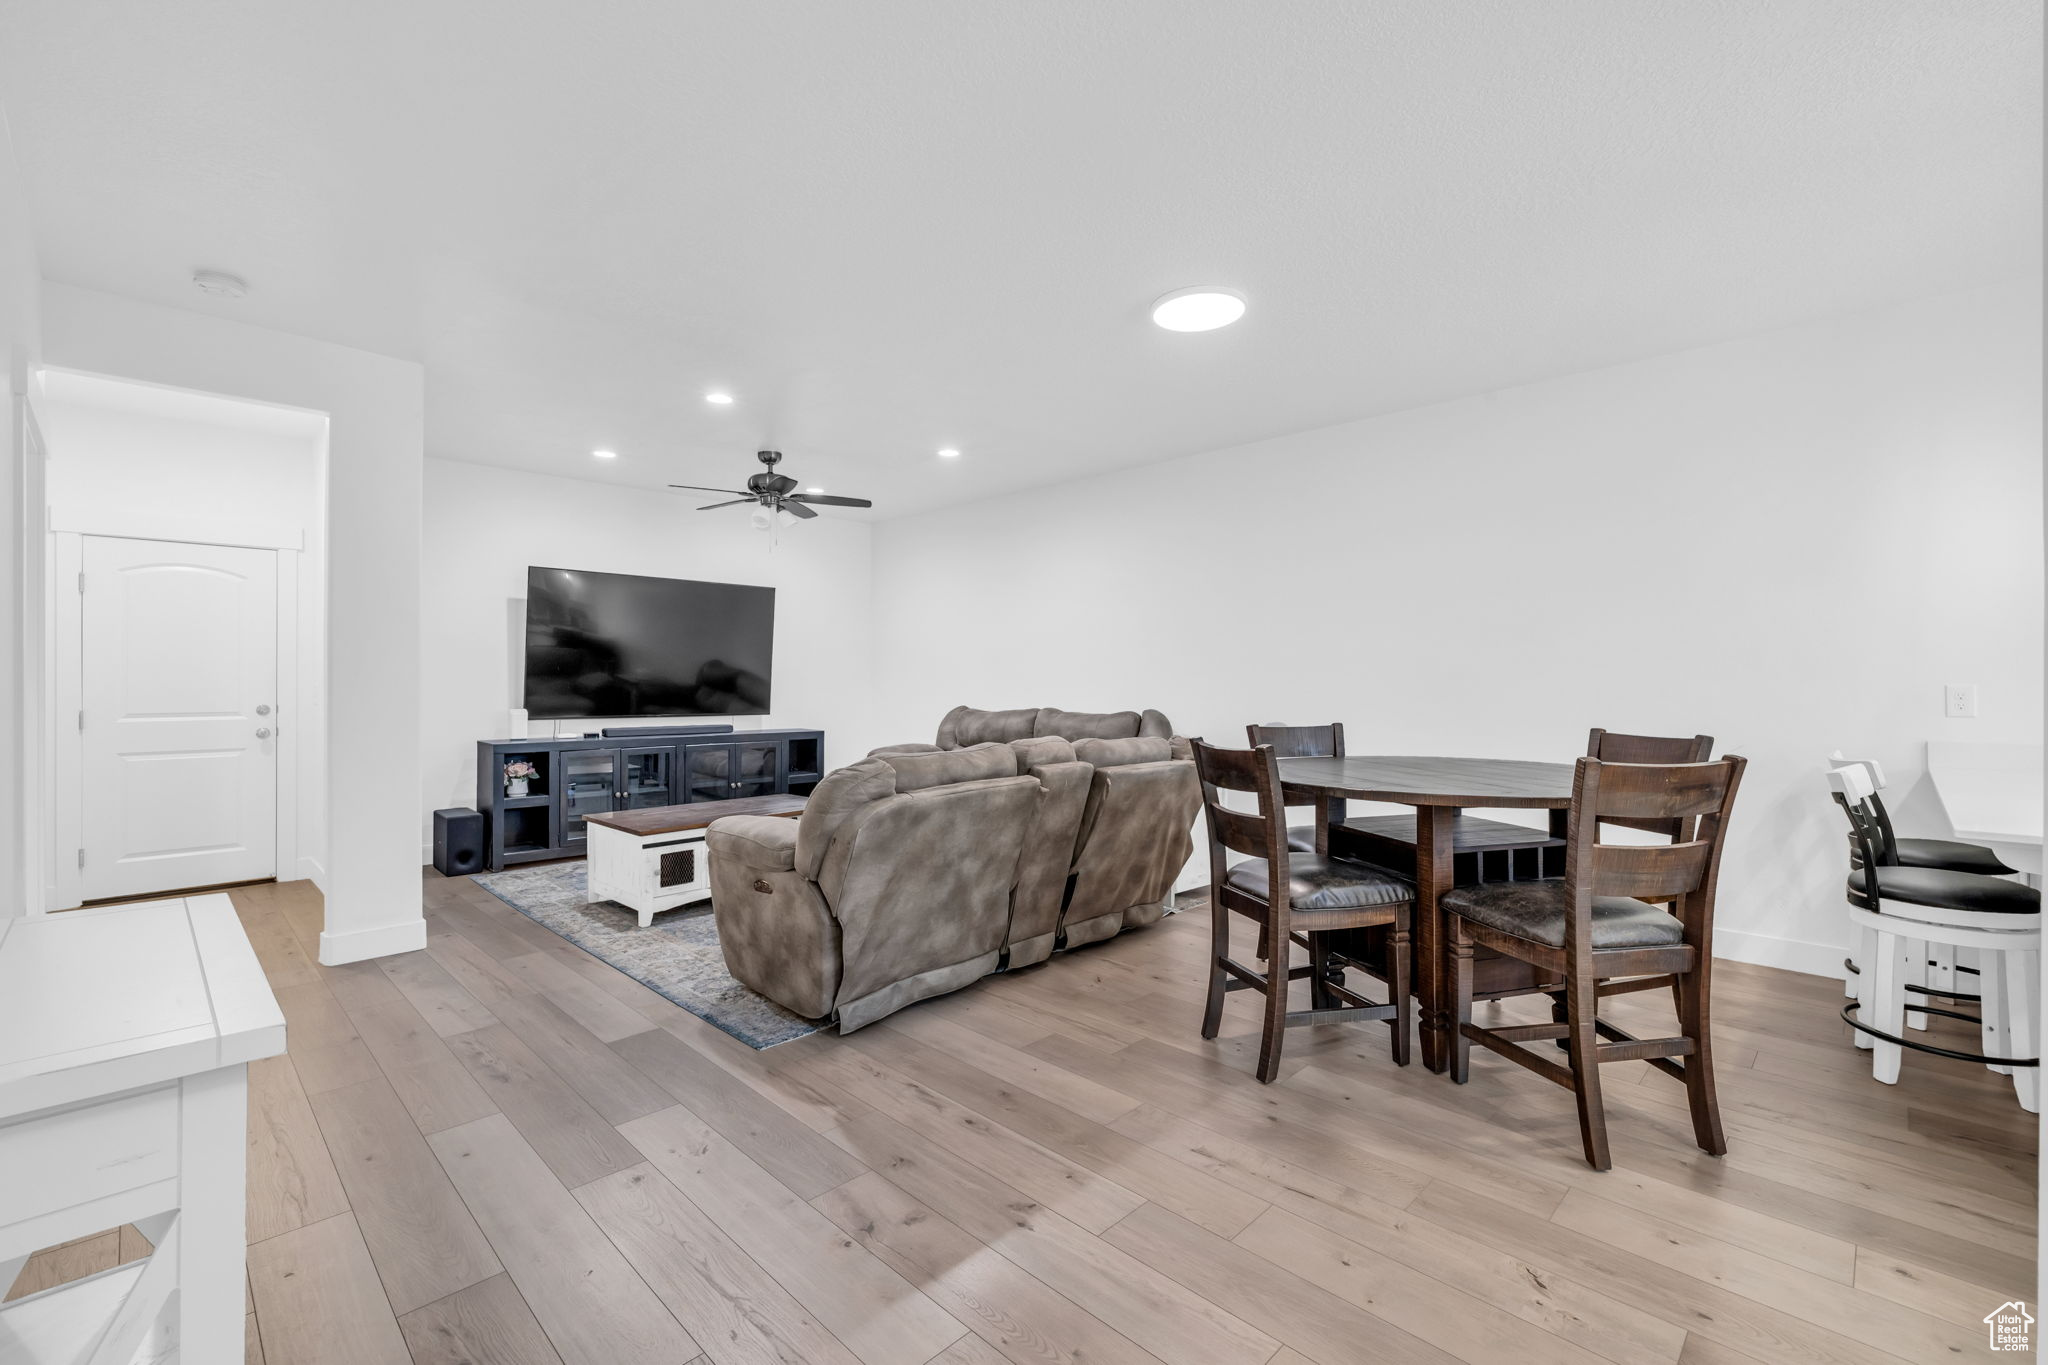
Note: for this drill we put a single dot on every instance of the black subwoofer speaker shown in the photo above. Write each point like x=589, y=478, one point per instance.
x=458, y=842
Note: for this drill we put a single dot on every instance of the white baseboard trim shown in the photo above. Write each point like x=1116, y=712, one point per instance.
x=358, y=945
x=1790, y=954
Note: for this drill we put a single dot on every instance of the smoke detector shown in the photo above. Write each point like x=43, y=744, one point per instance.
x=220, y=284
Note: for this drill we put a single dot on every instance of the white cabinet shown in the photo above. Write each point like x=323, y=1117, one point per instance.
x=125, y=1038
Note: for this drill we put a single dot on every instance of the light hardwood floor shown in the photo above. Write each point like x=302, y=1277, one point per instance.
x=502, y=1152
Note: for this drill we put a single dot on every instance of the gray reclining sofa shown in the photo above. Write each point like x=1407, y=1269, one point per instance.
x=924, y=867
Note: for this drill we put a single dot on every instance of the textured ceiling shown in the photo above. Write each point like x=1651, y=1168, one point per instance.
x=895, y=225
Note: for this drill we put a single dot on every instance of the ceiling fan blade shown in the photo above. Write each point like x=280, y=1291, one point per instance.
x=829, y=500
x=797, y=509
x=700, y=488
x=734, y=503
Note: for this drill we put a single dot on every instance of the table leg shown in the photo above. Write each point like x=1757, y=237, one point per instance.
x=1432, y=880
x=1323, y=815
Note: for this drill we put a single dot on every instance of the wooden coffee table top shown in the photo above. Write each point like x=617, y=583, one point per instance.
x=696, y=815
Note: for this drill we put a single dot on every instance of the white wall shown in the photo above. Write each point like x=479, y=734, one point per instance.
x=375, y=410
x=133, y=460
x=1790, y=542
x=22, y=619
x=485, y=525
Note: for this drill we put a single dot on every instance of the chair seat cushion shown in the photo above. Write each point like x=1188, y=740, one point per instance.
x=1535, y=911
x=1324, y=883
x=1951, y=854
x=1951, y=890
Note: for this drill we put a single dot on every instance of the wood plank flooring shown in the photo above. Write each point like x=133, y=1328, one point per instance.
x=501, y=1152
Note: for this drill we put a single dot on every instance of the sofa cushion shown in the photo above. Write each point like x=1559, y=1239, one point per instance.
x=1038, y=753
x=836, y=799
x=888, y=749
x=965, y=726
x=1117, y=753
x=914, y=772
x=1079, y=725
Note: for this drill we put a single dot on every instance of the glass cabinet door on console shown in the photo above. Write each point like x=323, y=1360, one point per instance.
x=590, y=784
x=756, y=769
x=719, y=772
x=649, y=778
x=708, y=771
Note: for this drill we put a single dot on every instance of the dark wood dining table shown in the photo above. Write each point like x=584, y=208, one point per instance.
x=1439, y=789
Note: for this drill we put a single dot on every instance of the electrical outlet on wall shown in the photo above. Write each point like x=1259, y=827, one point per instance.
x=1960, y=701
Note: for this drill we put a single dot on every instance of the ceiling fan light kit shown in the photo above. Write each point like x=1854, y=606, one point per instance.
x=773, y=494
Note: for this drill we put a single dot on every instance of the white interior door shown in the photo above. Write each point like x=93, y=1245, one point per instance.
x=179, y=724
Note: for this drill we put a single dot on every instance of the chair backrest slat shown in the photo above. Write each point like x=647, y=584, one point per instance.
x=1299, y=741
x=1659, y=791
x=1609, y=747
x=1239, y=831
x=1650, y=872
x=1855, y=791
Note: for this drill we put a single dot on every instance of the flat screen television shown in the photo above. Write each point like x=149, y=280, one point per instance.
x=618, y=644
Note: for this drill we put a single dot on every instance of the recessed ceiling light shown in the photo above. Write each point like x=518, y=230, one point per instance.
x=1201, y=309
x=606, y=454
x=949, y=454
x=719, y=397
x=220, y=284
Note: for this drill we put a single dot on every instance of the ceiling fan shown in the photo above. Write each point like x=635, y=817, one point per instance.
x=771, y=491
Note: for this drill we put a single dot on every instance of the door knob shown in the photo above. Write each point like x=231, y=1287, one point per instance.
x=263, y=710
x=263, y=732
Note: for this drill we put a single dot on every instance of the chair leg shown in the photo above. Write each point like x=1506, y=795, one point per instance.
x=1995, y=1031
x=1888, y=1000
x=1397, y=983
x=1319, y=972
x=1918, y=973
x=1219, y=948
x=1582, y=1001
x=1866, y=999
x=1694, y=1022
x=1459, y=945
x=1276, y=1004
x=2023, y=1013
x=1265, y=949
x=1856, y=957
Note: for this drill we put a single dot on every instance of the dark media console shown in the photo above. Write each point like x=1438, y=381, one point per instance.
x=629, y=768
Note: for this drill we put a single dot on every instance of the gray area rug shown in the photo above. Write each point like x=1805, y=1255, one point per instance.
x=678, y=957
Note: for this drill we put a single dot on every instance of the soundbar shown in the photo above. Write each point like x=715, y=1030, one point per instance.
x=649, y=731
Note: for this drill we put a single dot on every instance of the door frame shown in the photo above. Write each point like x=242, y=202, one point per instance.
x=68, y=533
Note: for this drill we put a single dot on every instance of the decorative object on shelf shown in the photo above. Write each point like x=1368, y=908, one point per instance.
x=518, y=773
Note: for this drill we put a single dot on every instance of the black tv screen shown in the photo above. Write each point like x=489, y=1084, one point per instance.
x=616, y=644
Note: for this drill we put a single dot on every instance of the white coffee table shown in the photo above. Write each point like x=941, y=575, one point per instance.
x=654, y=860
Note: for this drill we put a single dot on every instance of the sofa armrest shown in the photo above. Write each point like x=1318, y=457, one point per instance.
x=766, y=843
x=887, y=749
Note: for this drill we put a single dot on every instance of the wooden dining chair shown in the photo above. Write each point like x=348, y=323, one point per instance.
x=1286, y=892
x=1599, y=930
